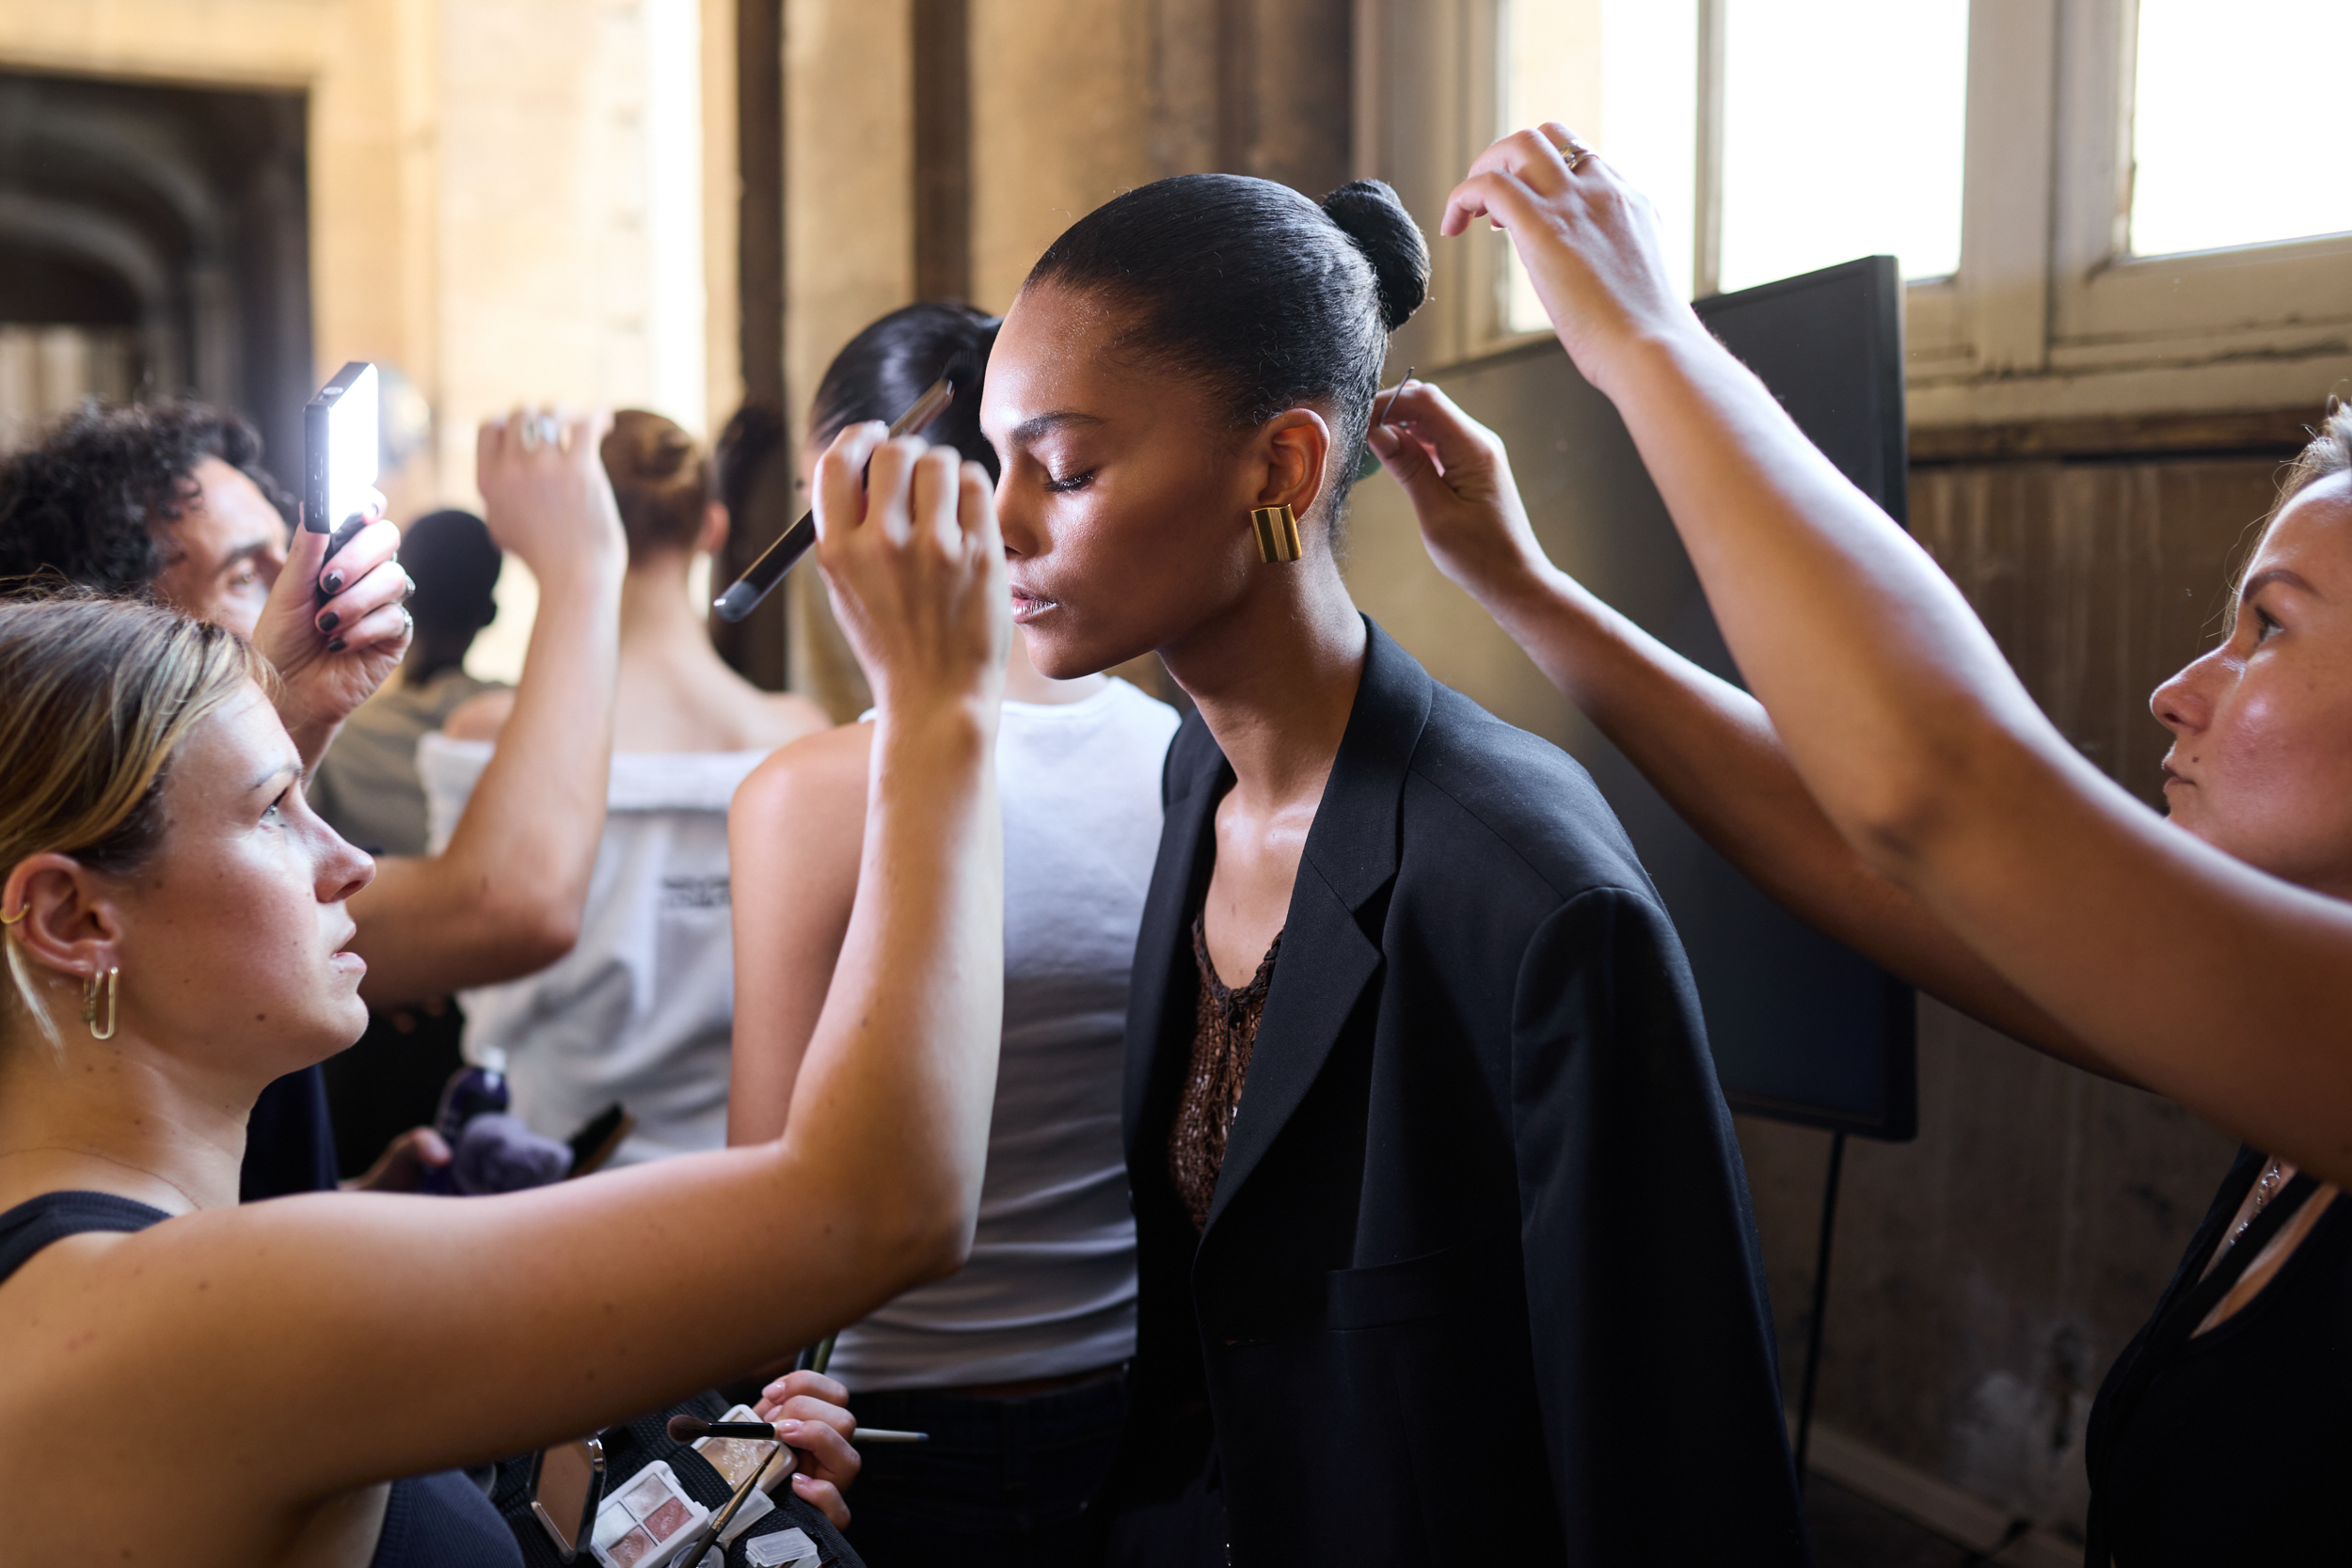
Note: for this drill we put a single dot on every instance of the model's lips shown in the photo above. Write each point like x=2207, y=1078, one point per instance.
x=1028, y=605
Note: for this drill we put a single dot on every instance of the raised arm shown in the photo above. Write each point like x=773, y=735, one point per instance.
x=452, y=1330
x=2198, y=975
x=1708, y=747
x=796, y=833
x=504, y=897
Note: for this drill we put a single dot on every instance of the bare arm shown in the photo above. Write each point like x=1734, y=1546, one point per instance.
x=795, y=834
x=450, y=1330
x=1708, y=747
x=2199, y=977
x=504, y=897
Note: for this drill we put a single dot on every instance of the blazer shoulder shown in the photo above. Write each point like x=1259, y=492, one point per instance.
x=1482, y=779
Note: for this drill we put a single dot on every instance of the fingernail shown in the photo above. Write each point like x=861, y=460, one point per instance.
x=329, y=621
x=336, y=646
x=787, y=1426
x=332, y=583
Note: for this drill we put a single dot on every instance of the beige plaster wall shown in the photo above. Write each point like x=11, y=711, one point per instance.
x=508, y=197
x=368, y=67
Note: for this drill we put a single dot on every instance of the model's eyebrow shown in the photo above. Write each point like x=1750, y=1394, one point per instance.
x=2261, y=580
x=1061, y=418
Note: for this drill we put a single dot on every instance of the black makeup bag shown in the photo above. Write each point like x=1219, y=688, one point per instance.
x=629, y=1450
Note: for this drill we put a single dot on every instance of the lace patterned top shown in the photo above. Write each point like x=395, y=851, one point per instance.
x=1225, y=1031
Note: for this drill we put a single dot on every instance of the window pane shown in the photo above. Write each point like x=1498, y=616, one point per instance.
x=1844, y=128
x=2237, y=124
x=1624, y=76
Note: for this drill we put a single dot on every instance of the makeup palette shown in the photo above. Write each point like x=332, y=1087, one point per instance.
x=736, y=1458
x=645, y=1520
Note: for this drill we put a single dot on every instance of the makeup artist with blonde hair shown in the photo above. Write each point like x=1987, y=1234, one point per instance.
x=177, y=934
x=1891, y=780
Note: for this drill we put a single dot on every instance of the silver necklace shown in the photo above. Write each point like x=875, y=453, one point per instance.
x=2274, y=1176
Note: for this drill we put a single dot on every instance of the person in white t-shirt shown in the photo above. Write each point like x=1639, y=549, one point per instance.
x=1013, y=1366
x=641, y=1009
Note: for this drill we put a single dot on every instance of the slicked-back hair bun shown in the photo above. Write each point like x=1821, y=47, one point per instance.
x=1253, y=289
x=1390, y=241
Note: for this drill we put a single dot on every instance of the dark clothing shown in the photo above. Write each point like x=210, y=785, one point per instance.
x=436, y=1521
x=1002, y=1481
x=392, y=1079
x=2232, y=1446
x=1480, y=1283
x=1224, y=1032
x=289, y=1140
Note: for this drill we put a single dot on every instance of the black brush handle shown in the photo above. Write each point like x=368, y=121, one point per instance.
x=743, y=595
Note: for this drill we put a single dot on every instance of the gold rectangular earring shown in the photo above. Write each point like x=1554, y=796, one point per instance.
x=1278, y=532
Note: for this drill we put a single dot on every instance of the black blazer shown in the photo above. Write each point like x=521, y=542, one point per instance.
x=1480, y=1283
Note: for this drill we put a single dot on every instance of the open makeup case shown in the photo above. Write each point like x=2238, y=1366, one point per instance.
x=645, y=1472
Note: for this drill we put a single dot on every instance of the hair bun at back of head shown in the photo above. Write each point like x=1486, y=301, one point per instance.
x=1373, y=216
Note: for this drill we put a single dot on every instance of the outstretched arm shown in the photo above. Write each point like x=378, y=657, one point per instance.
x=2198, y=975
x=455, y=1330
x=1708, y=747
x=504, y=897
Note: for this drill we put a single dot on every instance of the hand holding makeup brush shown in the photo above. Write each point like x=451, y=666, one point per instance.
x=810, y=1414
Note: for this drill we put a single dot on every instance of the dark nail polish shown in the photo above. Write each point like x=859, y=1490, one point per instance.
x=336, y=646
x=328, y=622
x=332, y=583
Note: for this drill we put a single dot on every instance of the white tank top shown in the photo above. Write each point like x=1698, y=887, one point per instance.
x=1050, y=1287
x=642, y=1010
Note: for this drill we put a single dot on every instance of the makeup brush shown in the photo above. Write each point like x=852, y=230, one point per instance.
x=688, y=1429
x=743, y=595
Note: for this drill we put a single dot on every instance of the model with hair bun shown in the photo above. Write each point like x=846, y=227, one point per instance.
x=1419, y=1120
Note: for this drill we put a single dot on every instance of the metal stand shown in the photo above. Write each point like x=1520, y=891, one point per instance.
x=1820, y=1301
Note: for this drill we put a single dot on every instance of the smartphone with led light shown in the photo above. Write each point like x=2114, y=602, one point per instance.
x=341, y=448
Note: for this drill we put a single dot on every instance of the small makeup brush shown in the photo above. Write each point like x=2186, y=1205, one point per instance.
x=760, y=578
x=688, y=1429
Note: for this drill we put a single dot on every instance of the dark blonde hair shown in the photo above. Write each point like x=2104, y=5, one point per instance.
x=661, y=479
x=95, y=696
x=2329, y=453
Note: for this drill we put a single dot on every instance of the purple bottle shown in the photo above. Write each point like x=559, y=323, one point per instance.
x=471, y=1091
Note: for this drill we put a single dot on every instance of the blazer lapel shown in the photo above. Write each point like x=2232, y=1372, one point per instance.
x=1197, y=776
x=1327, y=958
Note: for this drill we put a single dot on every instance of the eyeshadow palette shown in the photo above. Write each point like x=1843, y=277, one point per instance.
x=736, y=1458
x=645, y=1520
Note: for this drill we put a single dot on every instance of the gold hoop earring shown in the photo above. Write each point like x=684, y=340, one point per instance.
x=1277, y=533
x=89, y=1004
x=12, y=919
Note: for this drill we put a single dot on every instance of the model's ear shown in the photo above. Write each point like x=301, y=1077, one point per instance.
x=1295, y=444
x=714, y=533
x=61, y=915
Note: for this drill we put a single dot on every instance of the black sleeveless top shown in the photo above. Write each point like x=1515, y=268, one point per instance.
x=2233, y=1446
x=436, y=1521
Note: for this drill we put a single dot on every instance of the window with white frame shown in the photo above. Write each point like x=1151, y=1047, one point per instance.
x=2104, y=206
x=2237, y=116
